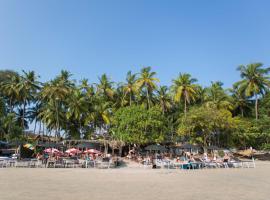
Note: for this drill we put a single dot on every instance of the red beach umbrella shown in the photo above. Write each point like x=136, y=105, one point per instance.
x=92, y=151
x=51, y=150
x=73, y=151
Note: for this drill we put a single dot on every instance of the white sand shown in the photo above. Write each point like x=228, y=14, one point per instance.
x=139, y=184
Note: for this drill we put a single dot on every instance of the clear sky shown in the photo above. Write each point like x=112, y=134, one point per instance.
x=207, y=38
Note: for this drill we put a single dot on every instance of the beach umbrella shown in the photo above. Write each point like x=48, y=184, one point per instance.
x=73, y=151
x=187, y=146
x=212, y=148
x=155, y=147
x=92, y=151
x=51, y=150
x=29, y=146
x=51, y=145
x=89, y=145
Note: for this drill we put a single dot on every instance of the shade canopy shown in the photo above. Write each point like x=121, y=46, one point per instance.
x=3, y=144
x=92, y=151
x=73, y=151
x=188, y=146
x=155, y=147
x=51, y=145
x=51, y=150
x=212, y=147
x=88, y=145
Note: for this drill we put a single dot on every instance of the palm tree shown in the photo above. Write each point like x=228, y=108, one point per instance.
x=184, y=87
x=10, y=90
x=51, y=116
x=148, y=82
x=99, y=116
x=120, y=97
x=239, y=100
x=34, y=112
x=164, y=98
x=105, y=87
x=54, y=95
x=21, y=116
x=27, y=88
x=130, y=87
x=215, y=96
x=77, y=106
x=254, y=81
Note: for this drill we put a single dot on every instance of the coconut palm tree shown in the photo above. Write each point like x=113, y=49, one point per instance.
x=147, y=82
x=99, y=116
x=215, y=96
x=10, y=90
x=130, y=87
x=164, y=98
x=34, y=112
x=255, y=81
x=105, y=87
x=51, y=116
x=184, y=87
x=239, y=99
x=27, y=89
x=54, y=95
x=76, y=107
x=119, y=97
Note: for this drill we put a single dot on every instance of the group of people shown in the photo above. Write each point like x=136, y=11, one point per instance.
x=184, y=158
x=45, y=157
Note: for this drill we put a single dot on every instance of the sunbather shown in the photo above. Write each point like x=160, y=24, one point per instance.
x=226, y=158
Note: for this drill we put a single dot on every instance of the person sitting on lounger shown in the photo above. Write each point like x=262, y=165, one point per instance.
x=205, y=157
x=191, y=158
x=226, y=158
x=214, y=158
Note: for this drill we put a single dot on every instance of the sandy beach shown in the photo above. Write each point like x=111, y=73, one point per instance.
x=132, y=183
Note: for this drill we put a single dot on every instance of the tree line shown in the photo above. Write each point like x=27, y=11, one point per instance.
x=139, y=110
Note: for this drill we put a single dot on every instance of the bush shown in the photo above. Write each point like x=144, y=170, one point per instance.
x=265, y=146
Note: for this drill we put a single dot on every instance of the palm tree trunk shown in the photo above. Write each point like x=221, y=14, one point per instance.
x=130, y=99
x=120, y=150
x=80, y=124
x=185, y=107
x=57, y=120
x=256, y=106
x=242, y=111
x=11, y=111
x=147, y=96
x=23, y=115
x=39, y=128
x=35, y=126
x=163, y=109
x=204, y=144
x=43, y=129
x=10, y=105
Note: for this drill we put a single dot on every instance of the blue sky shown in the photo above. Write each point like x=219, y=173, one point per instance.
x=208, y=39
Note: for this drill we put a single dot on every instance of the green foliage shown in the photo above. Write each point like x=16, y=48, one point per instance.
x=255, y=81
x=205, y=123
x=184, y=88
x=139, y=110
x=250, y=132
x=136, y=124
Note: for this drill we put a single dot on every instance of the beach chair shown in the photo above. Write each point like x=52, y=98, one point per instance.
x=59, y=163
x=69, y=163
x=39, y=164
x=249, y=164
x=3, y=163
